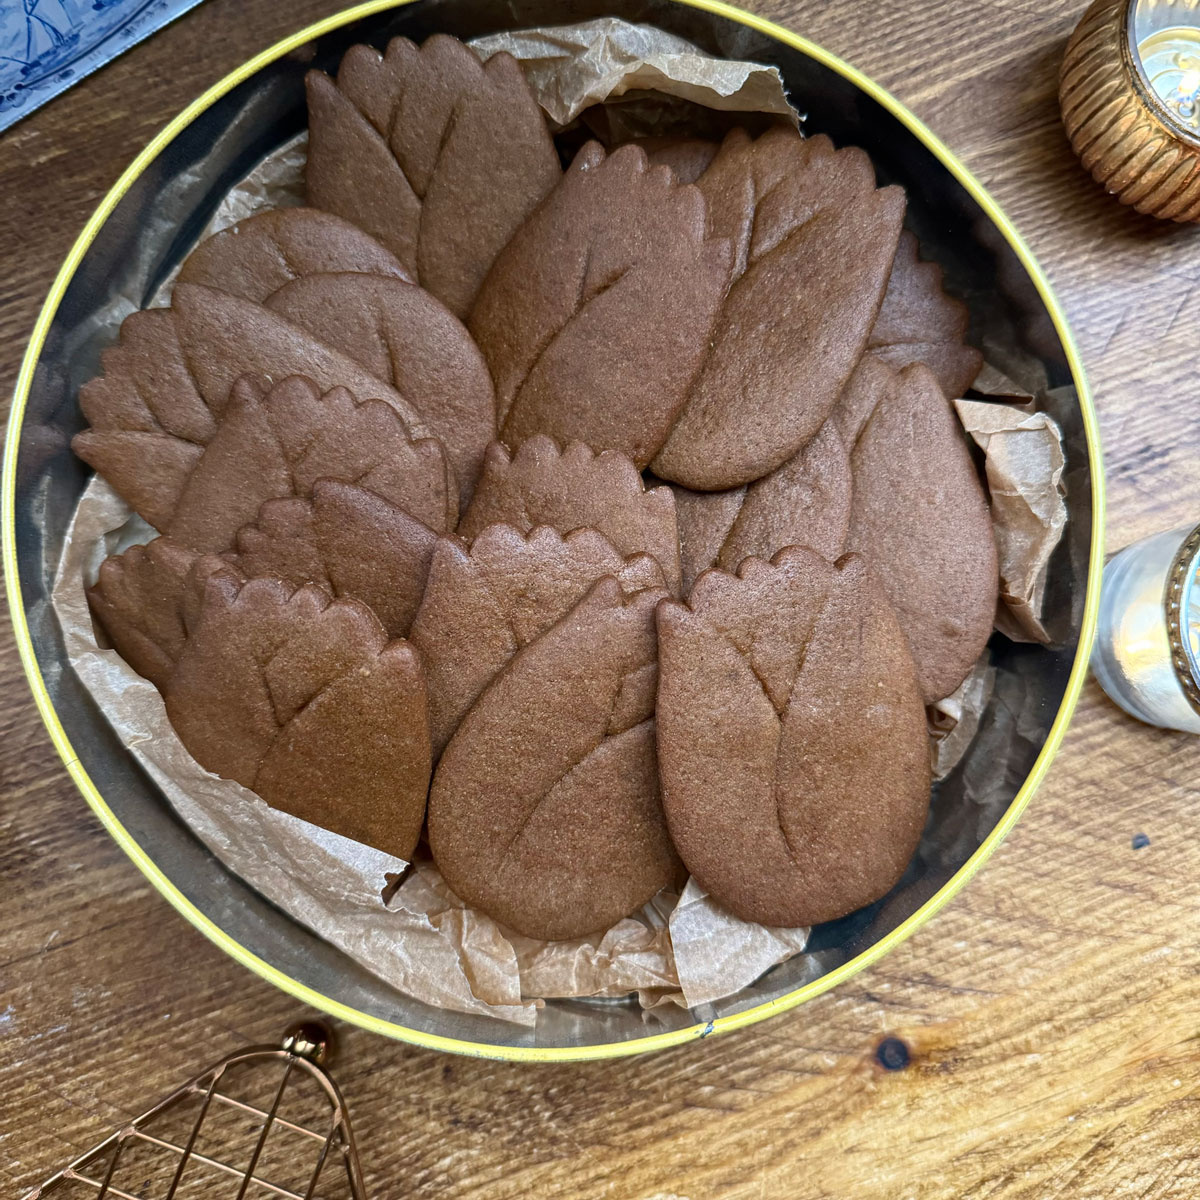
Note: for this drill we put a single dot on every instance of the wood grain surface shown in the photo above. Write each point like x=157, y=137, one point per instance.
x=1052, y=1012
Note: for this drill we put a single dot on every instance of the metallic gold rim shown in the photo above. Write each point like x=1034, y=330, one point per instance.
x=550, y=1053
x=1180, y=579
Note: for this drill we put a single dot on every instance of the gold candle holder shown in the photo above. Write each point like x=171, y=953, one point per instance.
x=1130, y=97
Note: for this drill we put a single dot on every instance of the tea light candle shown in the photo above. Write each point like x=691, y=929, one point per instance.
x=1130, y=98
x=1170, y=59
x=1147, y=651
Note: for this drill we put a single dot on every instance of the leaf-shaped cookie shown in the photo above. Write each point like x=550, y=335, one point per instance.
x=872, y=380
x=166, y=383
x=140, y=599
x=596, y=316
x=545, y=810
x=482, y=604
x=223, y=337
x=813, y=242
x=576, y=489
x=439, y=156
x=792, y=743
x=920, y=517
x=259, y=255
x=303, y=699
x=918, y=322
x=149, y=422
x=705, y=519
x=687, y=157
x=402, y=335
x=278, y=442
x=346, y=538
x=805, y=502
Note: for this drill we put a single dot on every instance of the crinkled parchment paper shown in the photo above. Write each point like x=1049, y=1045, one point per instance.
x=572, y=67
x=424, y=941
x=1024, y=460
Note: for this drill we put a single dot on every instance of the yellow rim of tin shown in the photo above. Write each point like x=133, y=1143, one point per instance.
x=550, y=1053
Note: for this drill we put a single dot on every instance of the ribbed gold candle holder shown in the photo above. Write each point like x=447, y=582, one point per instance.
x=1130, y=97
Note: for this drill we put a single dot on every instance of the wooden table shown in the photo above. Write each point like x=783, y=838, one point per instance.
x=1052, y=1011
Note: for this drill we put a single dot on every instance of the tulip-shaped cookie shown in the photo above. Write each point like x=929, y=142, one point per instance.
x=596, y=316
x=439, y=156
x=402, y=335
x=142, y=598
x=344, y=538
x=805, y=502
x=349, y=540
x=689, y=158
x=813, y=242
x=918, y=322
x=919, y=515
x=483, y=603
x=792, y=743
x=304, y=700
x=167, y=383
x=545, y=810
x=278, y=442
x=576, y=488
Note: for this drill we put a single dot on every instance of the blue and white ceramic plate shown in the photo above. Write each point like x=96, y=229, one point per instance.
x=47, y=45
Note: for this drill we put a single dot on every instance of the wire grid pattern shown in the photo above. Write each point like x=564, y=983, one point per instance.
x=198, y=1173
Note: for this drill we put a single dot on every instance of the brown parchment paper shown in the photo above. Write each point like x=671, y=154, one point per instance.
x=424, y=941
x=1023, y=461
x=572, y=67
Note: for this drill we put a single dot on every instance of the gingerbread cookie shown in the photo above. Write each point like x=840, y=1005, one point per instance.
x=223, y=337
x=872, y=380
x=439, y=156
x=347, y=539
x=302, y=699
x=166, y=383
x=149, y=421
x=705, y=519
x=483, y=603
x=405, y=337
x=140, y=599
x=918, y=322
x=805, y=502
x=278, y=441
x=597, y=315
x=687, y=157
x=920, y=517
x=573, y=489
x=545, y=809
x=813, y=242
x=259, y=255
x=792, y=744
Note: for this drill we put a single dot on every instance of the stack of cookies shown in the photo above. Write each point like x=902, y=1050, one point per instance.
x=599, y=525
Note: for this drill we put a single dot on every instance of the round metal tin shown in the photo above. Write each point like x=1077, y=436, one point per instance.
x=254, y=109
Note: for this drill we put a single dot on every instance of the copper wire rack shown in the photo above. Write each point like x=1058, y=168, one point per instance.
x=267, y=1121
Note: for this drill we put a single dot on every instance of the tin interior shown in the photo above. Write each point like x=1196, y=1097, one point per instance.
x=187, y=179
